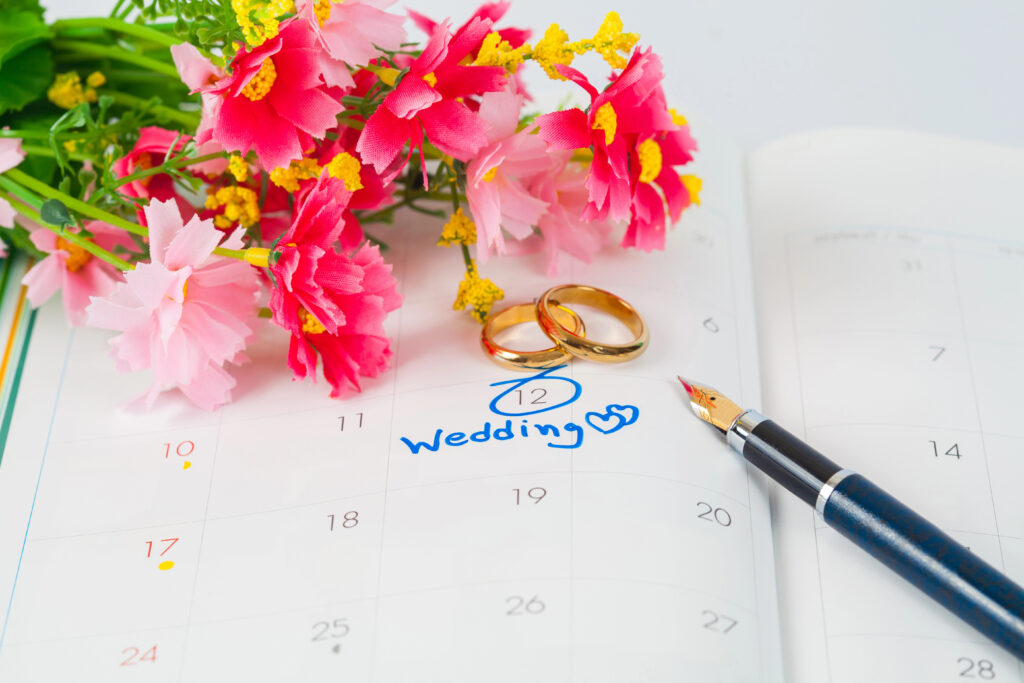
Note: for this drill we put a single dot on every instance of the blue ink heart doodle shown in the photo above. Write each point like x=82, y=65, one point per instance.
x=614, y=418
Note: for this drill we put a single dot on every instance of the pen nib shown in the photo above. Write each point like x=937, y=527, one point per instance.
x=711, y=405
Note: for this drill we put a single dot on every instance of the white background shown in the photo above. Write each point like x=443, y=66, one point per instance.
x=764, y=69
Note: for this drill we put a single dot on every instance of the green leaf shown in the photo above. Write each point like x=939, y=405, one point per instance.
x=31, y=6
x=18, y=32
x=19, y=239
x=25, y=78
x=54, y=212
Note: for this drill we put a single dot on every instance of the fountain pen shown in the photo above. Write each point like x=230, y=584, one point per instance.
x=890, y=531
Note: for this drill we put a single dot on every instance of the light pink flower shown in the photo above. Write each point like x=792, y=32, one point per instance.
x=562, y=225
x=77, y=273
x=352, y=33
x=11, y=155
x=497, y=195
x=184, y=314
x=197, y=72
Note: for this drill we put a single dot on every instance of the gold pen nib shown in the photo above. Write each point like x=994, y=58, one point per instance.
x=711, y=405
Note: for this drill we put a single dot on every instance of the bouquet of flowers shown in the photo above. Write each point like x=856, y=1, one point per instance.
x=183, y=168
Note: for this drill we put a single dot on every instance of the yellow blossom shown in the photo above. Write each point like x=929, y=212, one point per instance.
x=258, y=18
x=497, y=52
x=489, y=176
x=650, y=160
x=478, y=293
x=553, y=49
x=240, y=206
x=260, y=84
x=238, y=168
x=67, y=92
x=609, y=41
x=346, y=167
x=458, y=229
x=95, y=79
x=677, y=118
x=288, y=178
x=692, y=184
x=431, y=79
x=605, y=119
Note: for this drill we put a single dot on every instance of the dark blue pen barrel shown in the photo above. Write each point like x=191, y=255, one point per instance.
x=922, y=554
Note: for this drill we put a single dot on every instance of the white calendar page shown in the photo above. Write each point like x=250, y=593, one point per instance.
x=889, y=269
x=434, y=527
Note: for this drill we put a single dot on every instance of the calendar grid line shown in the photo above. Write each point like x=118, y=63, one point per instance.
x=571, y=649
x=199, y=552
x=310, y=411
x=384, y=502
x=803, y=424
x=838, y=332
x=750, y=611
x=369, y=494
x=748, y=470
x=977, y=409
x=35, y=493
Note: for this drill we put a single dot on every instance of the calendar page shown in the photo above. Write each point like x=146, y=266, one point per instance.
x=889, y=269
x=453, y=522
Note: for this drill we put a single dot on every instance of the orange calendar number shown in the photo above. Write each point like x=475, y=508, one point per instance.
x=136, y=655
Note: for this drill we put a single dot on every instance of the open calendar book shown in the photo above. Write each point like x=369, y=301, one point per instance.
x=583, y=526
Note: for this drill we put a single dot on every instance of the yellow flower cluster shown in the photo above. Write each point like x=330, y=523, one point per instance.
x=258, y=18
x=67, y=91
x=240, y=205
x=322, y=9
x=497, y=52
x=288, y=178
x=346, y=167
x=607, y=120
x=554, y=48
x=238, y=168
x=458, y=230
x=478, y=293
x=77, y=255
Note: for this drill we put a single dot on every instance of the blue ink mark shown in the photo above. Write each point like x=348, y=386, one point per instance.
x=519, y=383
x=571, y=427
x=614, y=418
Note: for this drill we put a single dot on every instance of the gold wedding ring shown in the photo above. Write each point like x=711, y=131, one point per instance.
x=576, y=344
x=528, y=360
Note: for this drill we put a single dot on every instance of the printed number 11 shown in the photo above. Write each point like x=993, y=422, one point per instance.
x=341, y=419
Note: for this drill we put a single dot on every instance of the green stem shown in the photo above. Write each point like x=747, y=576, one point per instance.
x=117, y=26
x=183, y=117
x=25, y=134
x=465, y=255
x=91, y=247
x=116, y=53
x=20, y=192
x=166, y=166
x=72, y=203
x=47, y=152
x=230, y=253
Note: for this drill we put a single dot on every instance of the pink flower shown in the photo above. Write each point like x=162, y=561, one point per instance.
x=428, y=100
x=561, y=226
x=152, y=147
x=352, y=33
x=492, y=11
x=494, y=177
x=651, y=164
x=330, y=303
x=70, y=268
x=360, y=346
x=184, y=314
x=197, y=72
x=11, y=155
x=274, y=100
x=632, y=106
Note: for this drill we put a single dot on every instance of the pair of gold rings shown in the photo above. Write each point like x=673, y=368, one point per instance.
x=565, y=328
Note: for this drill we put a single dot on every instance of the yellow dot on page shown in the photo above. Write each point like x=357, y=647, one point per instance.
x=186, y=465
x=165, y=565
